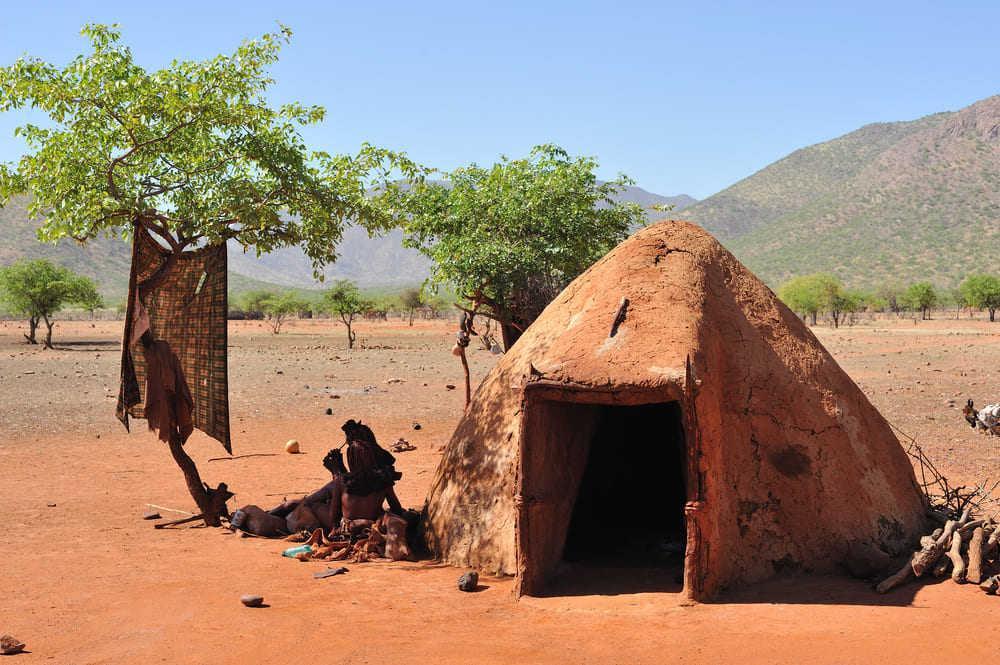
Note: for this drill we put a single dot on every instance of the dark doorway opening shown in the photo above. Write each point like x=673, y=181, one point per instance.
x=629, y=510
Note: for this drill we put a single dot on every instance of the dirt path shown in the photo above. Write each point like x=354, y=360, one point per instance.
x=83, y=579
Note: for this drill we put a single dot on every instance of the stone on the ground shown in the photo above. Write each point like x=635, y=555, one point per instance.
x=469, y=581
x=10, y=645
x=252, y=600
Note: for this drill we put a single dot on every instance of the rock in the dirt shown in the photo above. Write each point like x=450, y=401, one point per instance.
x=865, y=561
x=329, y=572
x=416, y=425
x=151, y=515
x=329, y=412
x=10, y=645
x=469, y=581
x=252, y=600
x=401, y=445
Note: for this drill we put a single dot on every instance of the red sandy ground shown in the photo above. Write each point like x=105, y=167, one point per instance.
x=83, y=579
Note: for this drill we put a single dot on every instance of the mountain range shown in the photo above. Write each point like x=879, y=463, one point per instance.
x=374, y=263
x=897, y=202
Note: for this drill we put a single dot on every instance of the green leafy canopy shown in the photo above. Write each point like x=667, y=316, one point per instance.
x=39, y=288
x=191, y=152
x=512, y=236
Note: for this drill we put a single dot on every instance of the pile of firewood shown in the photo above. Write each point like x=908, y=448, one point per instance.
x=962, y=548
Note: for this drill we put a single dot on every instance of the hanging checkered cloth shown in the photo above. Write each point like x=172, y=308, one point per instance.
x=187, y=308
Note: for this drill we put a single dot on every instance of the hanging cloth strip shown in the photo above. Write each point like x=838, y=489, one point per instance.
x=187, y=308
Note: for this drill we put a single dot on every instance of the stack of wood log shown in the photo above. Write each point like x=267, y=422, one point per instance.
x=963, y=548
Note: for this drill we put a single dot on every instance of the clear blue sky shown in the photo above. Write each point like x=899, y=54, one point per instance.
x=686, y=98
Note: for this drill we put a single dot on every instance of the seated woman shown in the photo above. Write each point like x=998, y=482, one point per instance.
x=364, y=453
x=350, y=496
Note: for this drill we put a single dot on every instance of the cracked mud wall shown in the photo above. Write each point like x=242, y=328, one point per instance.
x=804, y=464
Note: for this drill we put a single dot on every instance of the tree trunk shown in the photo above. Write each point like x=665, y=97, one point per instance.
x=511, y=328
x=48, y=332
x=207, y=500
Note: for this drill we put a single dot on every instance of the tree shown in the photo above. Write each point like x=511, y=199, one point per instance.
x=191, y=153
x=281, y=306
x=961, y=301
x=344, y=300
x=512, y=236
x=410, y=301
x=920, y=297
x=983, y=291
x=851, y=303
x=891, y=293
x=802, y=295
x=39, y=289
x=816, y=293
x=253, y=302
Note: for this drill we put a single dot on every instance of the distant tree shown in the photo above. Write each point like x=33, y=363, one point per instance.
x=962, y=303
x=281, y=306
x=801, y=296
x=38, y=289
x=852, y=303
x=872, y=302
x=838, y=302
x=344, y=300
x=920, y=297
x=510, y=237
x=813, y=294
x=410, y=301
x=436, y=304
x=253, y=302
x=982, y=291
x=891, y=294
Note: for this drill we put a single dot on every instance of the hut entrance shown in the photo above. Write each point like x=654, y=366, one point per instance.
x=602, y=493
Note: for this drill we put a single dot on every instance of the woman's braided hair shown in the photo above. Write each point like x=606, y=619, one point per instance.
x=363, y=451
x=371, y=465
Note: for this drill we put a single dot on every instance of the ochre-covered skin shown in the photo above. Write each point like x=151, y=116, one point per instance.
x=793, y=461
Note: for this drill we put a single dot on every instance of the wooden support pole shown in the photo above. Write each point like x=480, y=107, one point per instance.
x=465, y=367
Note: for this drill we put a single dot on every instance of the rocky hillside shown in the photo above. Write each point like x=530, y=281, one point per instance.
x=904, y=201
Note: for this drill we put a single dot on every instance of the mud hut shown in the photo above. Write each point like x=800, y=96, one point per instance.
x=668, y=399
